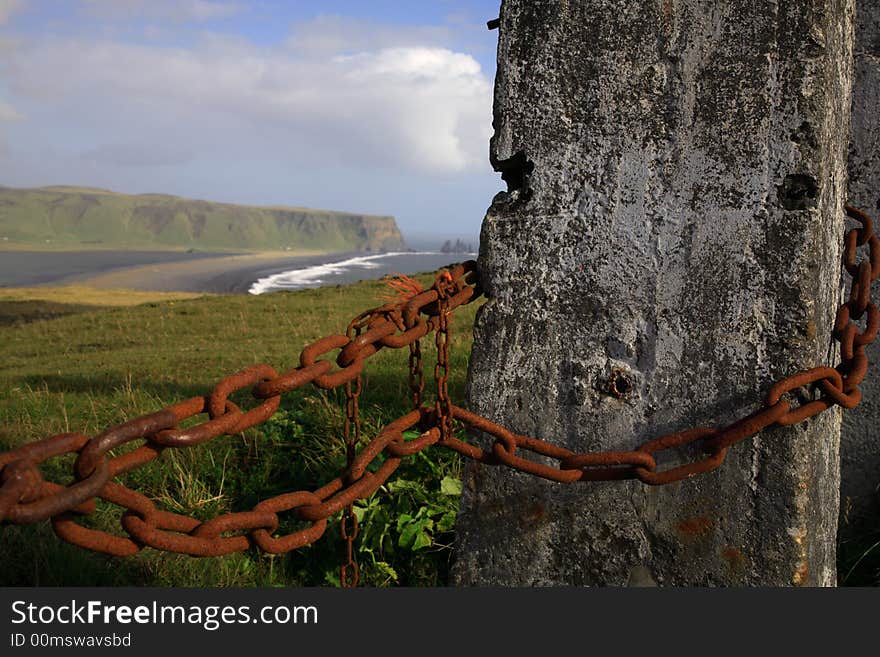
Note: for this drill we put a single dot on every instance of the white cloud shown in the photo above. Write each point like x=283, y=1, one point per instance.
x=9, y=113
x=169, y=10
x=407, y=107
x=7, y=8
x=329, y=35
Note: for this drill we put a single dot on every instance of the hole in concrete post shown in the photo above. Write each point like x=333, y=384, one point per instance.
x=514, y=170
x=798, y=192
x=619, y=384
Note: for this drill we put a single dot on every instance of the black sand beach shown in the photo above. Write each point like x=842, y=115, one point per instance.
x=30, y=268
x=167, y=271
x=239, y=278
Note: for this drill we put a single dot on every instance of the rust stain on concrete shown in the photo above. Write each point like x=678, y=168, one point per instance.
x=696, y=526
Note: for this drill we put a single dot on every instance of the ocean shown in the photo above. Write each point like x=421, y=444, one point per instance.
x=356, y=269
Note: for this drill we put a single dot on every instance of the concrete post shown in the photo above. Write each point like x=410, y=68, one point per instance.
x=860, y=445
x=676, y=174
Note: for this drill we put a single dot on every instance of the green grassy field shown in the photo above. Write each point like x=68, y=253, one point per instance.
x=90, y=364
x=90, y=367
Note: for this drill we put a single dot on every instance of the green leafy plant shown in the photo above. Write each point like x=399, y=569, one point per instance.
x=411, y=519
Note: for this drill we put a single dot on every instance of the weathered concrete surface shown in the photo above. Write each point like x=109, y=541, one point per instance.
x=677, y=173
x=860, y=443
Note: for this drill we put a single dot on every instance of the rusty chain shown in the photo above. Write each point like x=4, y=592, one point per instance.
x=443, y=407
x=416, y=376
x=348, y=524
x=25, y=497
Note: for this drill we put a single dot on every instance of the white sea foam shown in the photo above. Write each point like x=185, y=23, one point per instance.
x=316, y=275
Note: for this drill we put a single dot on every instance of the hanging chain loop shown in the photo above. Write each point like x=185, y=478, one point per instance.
x=348, y=524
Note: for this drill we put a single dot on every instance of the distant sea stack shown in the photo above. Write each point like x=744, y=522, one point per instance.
x=458, y=246
x=77, y=218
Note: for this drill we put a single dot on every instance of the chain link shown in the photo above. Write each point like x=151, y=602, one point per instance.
x=26, y=498
x=348, y=527
x=416, y=375
x=443, y=406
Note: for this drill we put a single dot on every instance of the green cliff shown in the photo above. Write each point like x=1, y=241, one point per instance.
x=77, y=217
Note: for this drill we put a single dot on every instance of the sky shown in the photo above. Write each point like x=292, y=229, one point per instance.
x=365, y=106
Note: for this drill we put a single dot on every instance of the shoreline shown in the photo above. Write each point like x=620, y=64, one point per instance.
x=200, y=272
x=232, y=275
x=209, y=273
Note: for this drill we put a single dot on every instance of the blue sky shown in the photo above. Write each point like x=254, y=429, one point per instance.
x=381, y=107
